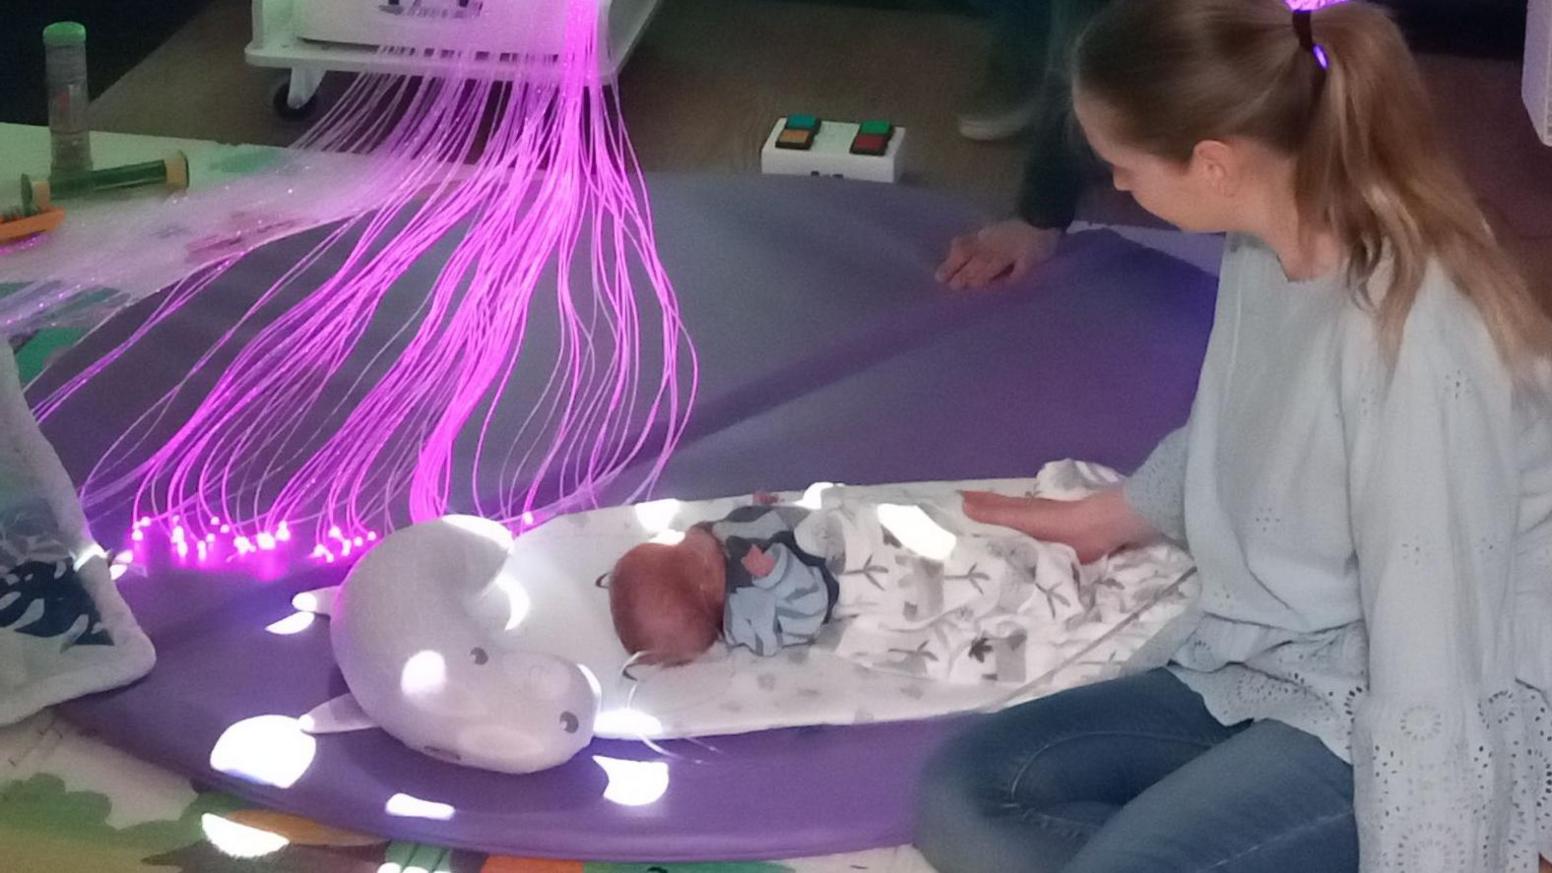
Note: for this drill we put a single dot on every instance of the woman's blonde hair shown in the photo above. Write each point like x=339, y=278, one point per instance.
x=1371, y=164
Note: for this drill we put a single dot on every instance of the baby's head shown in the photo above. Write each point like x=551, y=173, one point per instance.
x=667, y=601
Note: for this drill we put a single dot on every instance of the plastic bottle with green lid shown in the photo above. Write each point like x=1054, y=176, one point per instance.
x=64, y=44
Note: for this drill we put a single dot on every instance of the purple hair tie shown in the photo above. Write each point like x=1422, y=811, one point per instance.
x=1302, y=25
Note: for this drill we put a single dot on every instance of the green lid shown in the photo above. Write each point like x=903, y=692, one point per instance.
x=63, y=33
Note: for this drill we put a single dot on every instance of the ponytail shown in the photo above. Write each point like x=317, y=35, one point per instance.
x=1347, y=101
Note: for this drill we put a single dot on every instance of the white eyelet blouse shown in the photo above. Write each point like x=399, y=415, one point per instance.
x=1375, y=552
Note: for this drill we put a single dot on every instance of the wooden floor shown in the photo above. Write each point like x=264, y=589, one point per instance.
x=711, y=76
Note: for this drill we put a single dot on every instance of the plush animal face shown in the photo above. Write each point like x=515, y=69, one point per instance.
x=427, y=632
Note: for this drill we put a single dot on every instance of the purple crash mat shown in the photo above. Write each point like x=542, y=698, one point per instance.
x=827, y=353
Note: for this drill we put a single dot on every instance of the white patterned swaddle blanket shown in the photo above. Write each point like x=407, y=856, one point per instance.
x=924, y=591
x=1128, y=612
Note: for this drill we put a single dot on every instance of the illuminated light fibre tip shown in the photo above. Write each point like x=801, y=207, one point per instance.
x=528, y=196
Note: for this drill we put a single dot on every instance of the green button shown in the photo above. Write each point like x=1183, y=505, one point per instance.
x=802, y=122
x=882, y=128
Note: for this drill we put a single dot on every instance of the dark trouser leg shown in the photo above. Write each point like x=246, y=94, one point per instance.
x=1025, y=790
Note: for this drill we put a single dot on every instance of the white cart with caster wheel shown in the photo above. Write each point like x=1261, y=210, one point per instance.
x=309, y=38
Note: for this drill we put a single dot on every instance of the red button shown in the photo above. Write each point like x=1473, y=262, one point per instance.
x=870, y=144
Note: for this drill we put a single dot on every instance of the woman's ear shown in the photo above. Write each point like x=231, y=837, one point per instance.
x=1219, y=165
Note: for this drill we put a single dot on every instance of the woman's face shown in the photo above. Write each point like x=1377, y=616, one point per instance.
x=1184, y=195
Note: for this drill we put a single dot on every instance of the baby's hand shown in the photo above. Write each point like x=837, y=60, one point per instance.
x=766, y=498
x=758, y=563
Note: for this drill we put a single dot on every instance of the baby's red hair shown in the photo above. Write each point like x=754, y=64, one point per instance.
x=658, y=610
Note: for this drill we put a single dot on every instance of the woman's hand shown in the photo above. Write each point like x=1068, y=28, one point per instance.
x=1005, y=250
x=1094, y=526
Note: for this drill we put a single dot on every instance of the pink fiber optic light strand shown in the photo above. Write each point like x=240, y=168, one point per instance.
x=547, y=312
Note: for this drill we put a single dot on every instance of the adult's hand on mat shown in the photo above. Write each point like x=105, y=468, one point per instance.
x=1094, y=526
x=1006, y=251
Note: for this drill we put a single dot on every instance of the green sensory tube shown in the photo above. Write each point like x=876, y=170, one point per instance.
x=172, y=171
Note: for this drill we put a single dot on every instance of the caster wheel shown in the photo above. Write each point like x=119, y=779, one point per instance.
x=282, y=106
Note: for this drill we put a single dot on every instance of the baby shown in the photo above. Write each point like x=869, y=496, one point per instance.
x=910, y=588
x=744, y=579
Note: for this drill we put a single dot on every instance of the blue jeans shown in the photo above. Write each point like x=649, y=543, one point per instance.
x=1135, y=776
